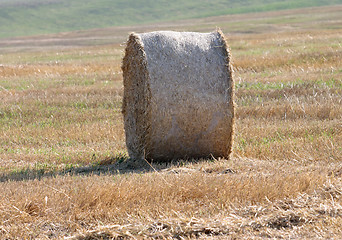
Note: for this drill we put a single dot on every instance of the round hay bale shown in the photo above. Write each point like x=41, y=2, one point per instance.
x=178, y=95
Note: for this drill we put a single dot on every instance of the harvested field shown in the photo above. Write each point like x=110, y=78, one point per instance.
x=63, y=161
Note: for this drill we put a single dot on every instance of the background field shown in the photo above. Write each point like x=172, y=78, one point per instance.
x=64, y=169
x=32, y=17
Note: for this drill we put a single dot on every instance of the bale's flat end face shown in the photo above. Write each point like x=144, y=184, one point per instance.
x=178, y=97
x=136, y=97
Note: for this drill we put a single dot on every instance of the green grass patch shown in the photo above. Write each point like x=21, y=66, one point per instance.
x=328, y=83
x=19, y=18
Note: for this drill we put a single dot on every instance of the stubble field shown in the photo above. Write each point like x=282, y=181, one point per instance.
x=64, y=170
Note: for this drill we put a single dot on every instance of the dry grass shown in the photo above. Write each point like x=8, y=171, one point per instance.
x=237, y=197
x=64, y=170
x=292, y=95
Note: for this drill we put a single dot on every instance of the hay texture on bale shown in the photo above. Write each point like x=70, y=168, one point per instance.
x=178, y=95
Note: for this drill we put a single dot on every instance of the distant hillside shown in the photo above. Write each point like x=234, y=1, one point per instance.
x=32, y=17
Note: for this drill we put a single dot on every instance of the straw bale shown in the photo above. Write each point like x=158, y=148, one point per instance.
x=178, y=95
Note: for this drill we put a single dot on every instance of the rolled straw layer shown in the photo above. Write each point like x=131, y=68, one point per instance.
x=178, y=95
